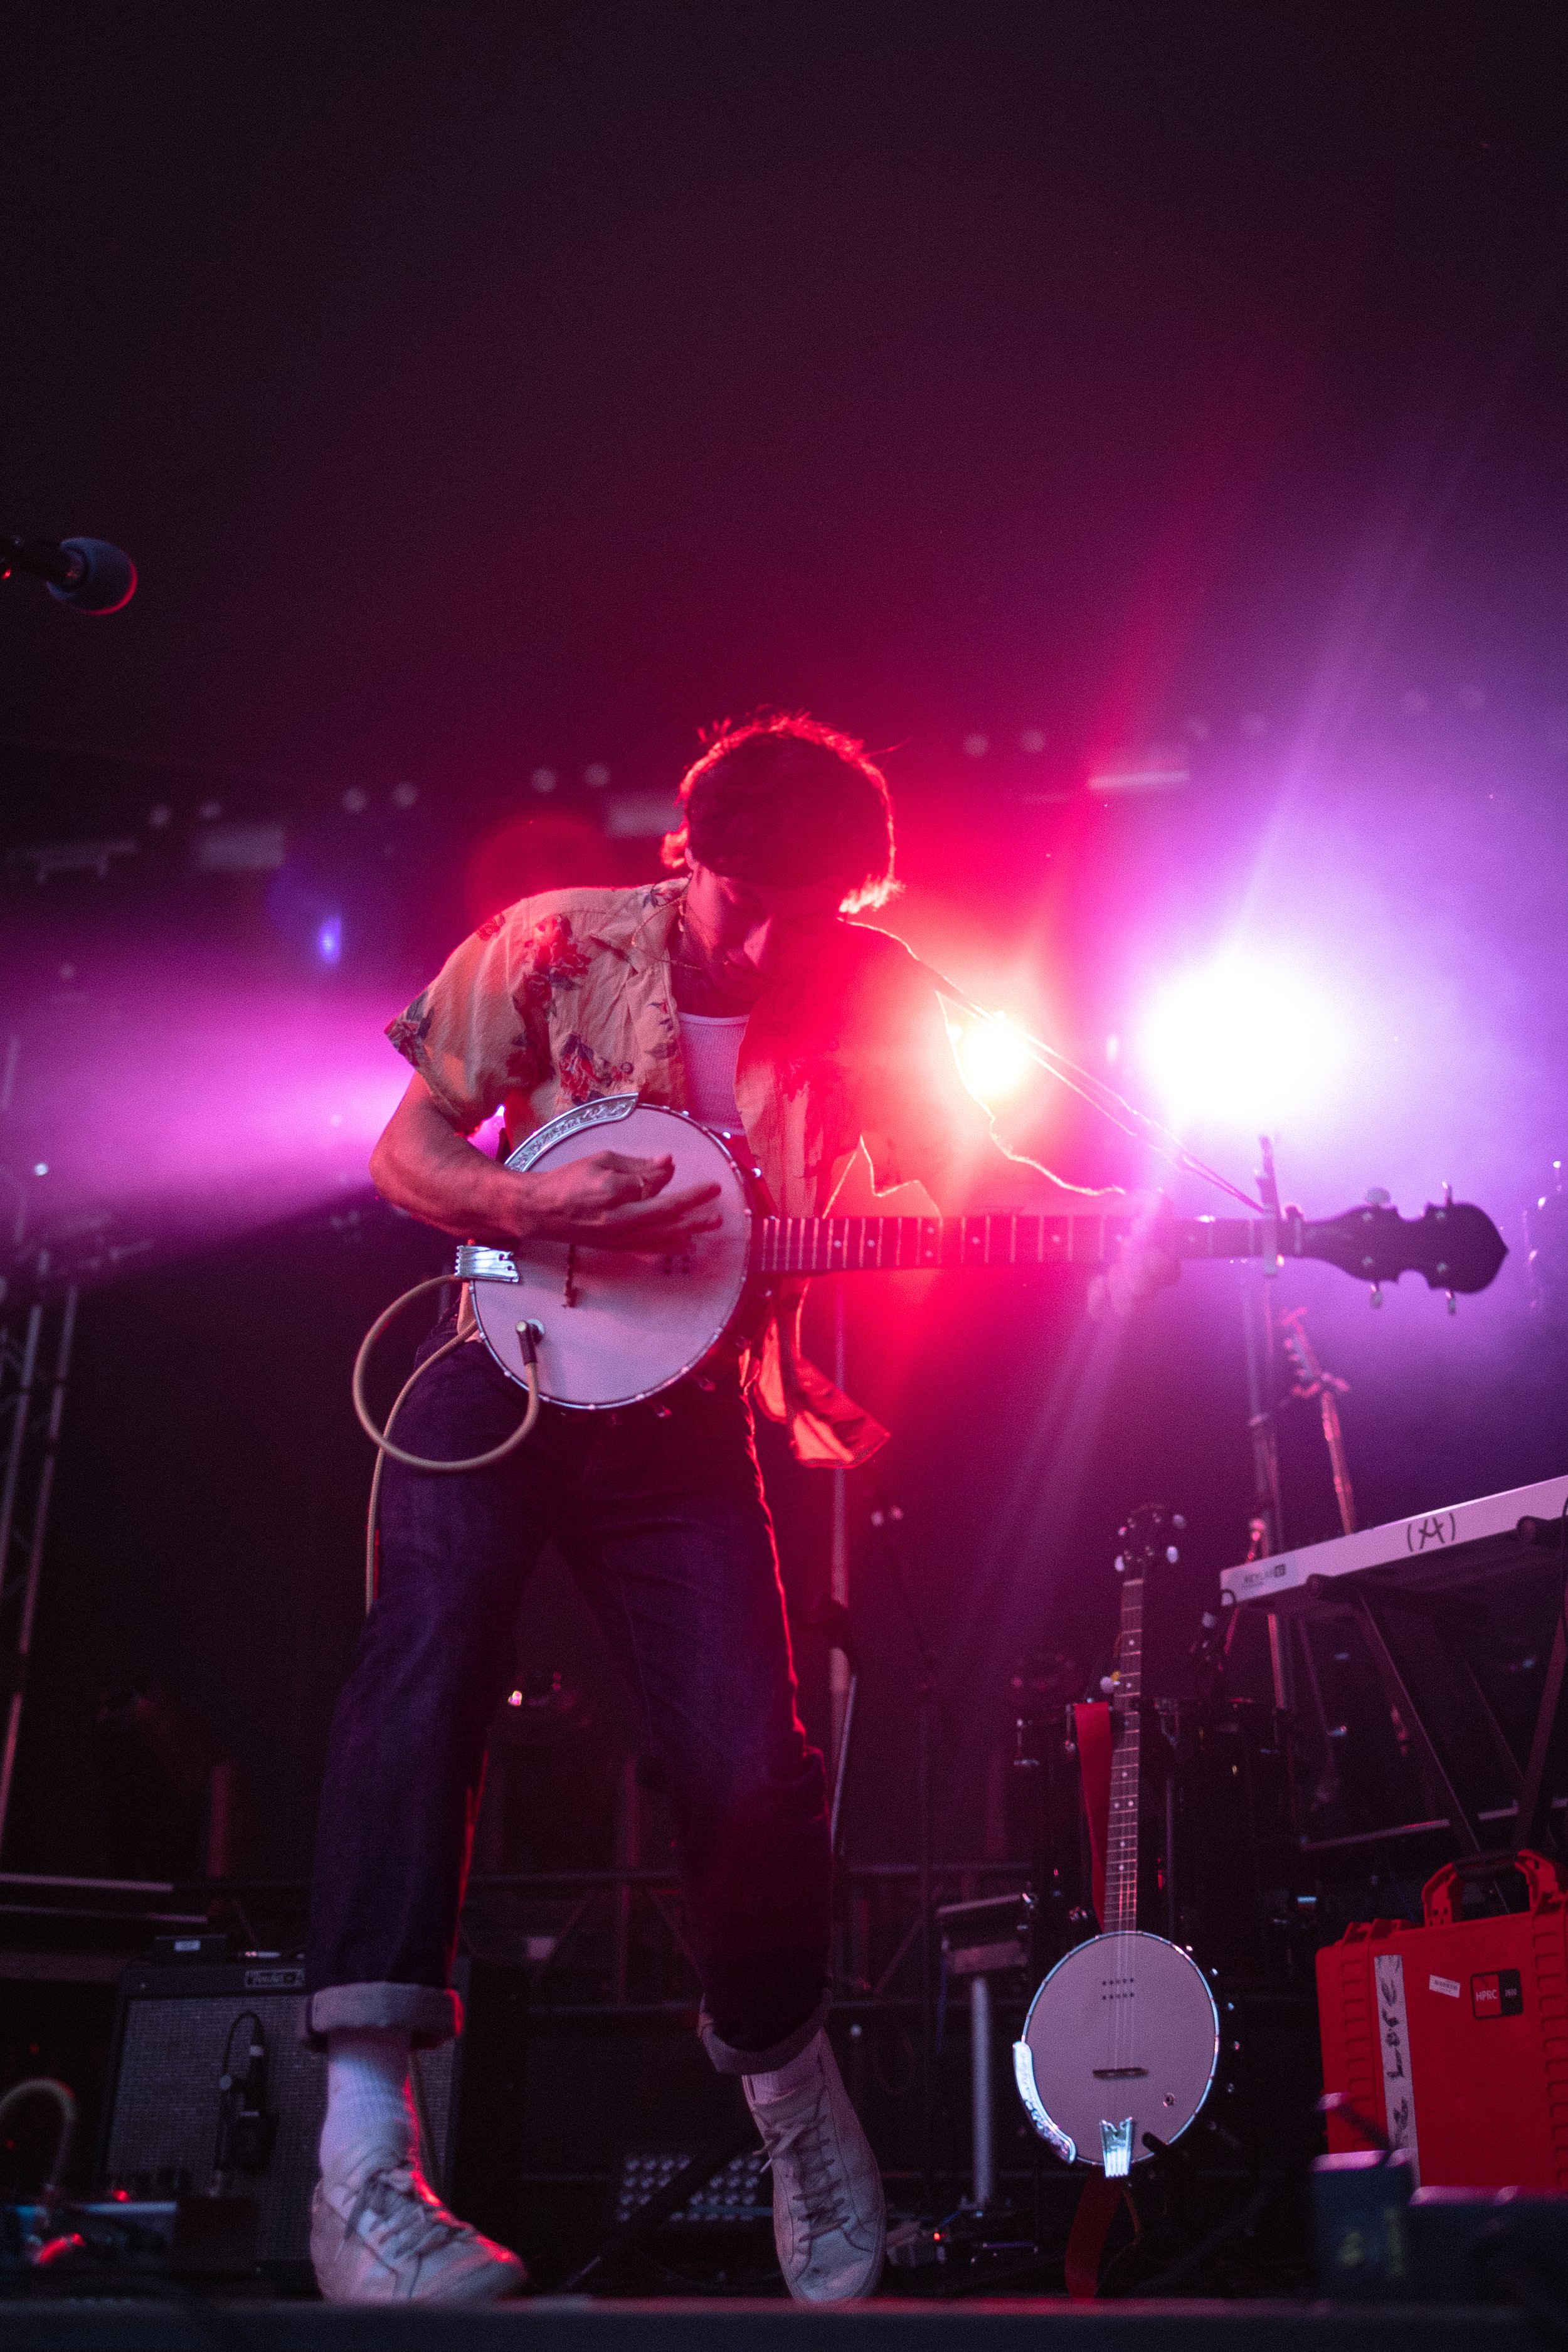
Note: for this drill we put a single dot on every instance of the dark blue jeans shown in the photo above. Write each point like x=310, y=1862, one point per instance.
x=661, y=1520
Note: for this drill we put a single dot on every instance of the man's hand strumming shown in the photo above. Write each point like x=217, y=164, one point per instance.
x=610, y=1201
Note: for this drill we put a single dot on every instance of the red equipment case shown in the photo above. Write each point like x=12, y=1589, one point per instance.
x=1452, y=2037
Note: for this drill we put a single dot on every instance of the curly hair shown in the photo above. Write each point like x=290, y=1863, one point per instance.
x=780, y=798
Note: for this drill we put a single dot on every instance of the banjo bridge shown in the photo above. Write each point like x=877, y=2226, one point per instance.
x=1119, y=2074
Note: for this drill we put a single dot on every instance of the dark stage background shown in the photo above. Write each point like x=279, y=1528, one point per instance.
x=1143, y=423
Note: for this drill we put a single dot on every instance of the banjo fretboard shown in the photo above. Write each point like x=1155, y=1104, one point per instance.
x=906, y=1245
x=1126, y=1726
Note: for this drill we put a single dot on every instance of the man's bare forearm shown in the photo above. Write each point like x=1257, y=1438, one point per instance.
x=610, y=1199
x=422, y=1165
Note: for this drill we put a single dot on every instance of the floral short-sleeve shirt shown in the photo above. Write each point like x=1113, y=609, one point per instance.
x=570, y=995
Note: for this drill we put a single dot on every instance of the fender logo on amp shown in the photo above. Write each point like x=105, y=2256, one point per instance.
x=1498, y=1993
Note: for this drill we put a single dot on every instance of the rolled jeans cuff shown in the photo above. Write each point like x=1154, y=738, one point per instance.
x=426, y=2013
x=730, y=2060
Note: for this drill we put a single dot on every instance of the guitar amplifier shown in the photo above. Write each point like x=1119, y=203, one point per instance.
x=179, y=2022
x=1452, y=2038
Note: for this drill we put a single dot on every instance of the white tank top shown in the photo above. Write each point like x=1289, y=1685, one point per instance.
x=710, y=1046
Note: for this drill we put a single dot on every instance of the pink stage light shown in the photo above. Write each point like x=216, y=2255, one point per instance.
x=1248, y=1042
x=173, y=1101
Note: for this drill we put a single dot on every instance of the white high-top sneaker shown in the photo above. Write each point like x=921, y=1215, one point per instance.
x=380, y=2234
x=830, y=2222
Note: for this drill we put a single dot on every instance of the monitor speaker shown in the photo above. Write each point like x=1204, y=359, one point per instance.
x=172, y=2129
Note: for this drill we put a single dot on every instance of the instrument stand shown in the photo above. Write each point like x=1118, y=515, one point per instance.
x=983, y=2194
x=980, y=1939
x=1323, y=1389
x=1262, y=1330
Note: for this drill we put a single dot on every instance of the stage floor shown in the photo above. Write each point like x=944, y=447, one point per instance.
x=140, y=2324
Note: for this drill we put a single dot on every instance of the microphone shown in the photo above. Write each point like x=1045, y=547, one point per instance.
x=87, y=574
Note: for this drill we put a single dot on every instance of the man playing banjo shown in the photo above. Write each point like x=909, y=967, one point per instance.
x=739, y=992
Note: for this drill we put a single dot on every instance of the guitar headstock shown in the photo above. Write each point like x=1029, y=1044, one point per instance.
x=1455, y=1244
x=1147, y=1540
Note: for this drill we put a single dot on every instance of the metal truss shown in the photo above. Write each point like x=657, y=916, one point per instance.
x=36, y=1339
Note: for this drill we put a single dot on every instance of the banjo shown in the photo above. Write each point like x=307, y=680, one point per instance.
x=613, y=1328
x=1121, y=2040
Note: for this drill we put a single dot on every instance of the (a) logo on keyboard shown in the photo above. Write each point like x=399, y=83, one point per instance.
x=1430, y=1533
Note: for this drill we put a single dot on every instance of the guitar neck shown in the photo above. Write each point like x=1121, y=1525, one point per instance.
x=1121, y=1830
x=909, y=1244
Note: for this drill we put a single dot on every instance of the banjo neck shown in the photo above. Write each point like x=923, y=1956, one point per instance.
x=807, y=1245
x=1454, y=1244
x=1127, y=1730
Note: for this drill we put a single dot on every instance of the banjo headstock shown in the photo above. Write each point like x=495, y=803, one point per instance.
x=1147, y=1545
x=1452, y=1243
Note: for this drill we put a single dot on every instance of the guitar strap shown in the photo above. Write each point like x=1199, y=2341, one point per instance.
x=1092, y=2223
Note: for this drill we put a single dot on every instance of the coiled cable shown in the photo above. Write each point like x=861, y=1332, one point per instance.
x=528, y=1333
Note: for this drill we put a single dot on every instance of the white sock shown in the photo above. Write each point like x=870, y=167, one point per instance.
x=783, y=2079
x=369, y=2112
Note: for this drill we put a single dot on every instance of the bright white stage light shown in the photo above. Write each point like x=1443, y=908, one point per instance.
x=994, y=1064
x=1244, y=1041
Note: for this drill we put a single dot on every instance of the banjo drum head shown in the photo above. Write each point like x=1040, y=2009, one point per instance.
x=1123, y=2028
x=620, y=1324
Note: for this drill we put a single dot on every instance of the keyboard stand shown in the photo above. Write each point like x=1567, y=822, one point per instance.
x=1545, y=1724
x=1377, y=1607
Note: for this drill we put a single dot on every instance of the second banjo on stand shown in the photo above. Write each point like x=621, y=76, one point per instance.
x=1121, y=2044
